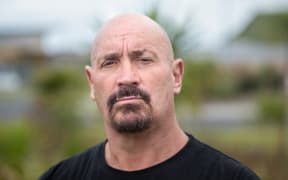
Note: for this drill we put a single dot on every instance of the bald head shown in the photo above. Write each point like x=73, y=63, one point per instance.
x=131, y=25
x=132, y=51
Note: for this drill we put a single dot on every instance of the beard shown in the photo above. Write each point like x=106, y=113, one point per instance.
x=131, y=117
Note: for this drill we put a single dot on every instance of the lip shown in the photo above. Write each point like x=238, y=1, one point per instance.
x=128, y=98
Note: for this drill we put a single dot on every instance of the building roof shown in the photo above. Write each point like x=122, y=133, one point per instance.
x=20, y=43
x=267, y=28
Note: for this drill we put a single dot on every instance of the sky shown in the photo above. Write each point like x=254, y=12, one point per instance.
x=70, y=25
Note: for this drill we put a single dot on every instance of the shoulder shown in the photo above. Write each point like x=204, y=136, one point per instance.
x=74, y=166
x=226, y=167
x=218, y=165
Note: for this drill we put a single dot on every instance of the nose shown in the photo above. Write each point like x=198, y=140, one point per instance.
x=128, y=74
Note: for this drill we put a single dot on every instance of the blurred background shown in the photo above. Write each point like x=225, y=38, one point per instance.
x=235, y=90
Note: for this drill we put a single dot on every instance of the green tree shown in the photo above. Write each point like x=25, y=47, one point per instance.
x=58, y=93
x=15, y=144
x=200, y=80
x=272, y=110
x=181, y=36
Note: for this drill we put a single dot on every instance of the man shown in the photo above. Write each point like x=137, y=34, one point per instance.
x=133, y=79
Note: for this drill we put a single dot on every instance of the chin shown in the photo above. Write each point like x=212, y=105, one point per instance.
x=131, y=123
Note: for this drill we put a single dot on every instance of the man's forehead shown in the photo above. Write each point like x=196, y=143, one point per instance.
x=126, y=33
x=130, y=43
x=127, y=27
x=131, y=52
x=124, y=25
x=131, y=22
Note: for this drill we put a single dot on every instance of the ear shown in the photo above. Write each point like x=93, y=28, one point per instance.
x=88, y=70
x=178, y=72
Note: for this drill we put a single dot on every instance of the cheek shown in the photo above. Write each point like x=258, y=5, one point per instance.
x=101, y=92
x=161, y=88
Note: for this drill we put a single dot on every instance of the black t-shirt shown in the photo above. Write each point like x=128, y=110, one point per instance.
x=195, y=161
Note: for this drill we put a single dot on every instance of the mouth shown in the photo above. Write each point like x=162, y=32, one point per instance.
x=127, y=95
x=127, y=99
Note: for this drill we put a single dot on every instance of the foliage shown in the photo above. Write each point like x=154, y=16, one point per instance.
x=58, y=91
x=15, y=141
x=247, y=84
x=199, y=82
x=182, y=38
x=271, y=28
x=51, y=81
x=272, y=108
x=266, y=78
x=269, y=78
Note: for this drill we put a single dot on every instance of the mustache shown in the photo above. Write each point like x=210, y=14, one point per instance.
x=127, y=90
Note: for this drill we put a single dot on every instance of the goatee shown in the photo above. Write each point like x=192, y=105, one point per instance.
x=130, y=118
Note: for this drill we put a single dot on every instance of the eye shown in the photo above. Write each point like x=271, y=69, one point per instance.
x=109, y=63
x=145, y=60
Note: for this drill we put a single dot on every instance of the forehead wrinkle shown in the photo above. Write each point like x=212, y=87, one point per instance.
x=115, y=54
x=98, y=49
x=124, y=45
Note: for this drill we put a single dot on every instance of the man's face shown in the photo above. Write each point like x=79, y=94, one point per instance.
x=132, y=78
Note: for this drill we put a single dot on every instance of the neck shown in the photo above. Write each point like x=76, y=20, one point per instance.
x=137, y=151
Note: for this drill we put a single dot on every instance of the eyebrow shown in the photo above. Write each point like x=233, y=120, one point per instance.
x=133, y=54
x=139, y=53
x=112, y=56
